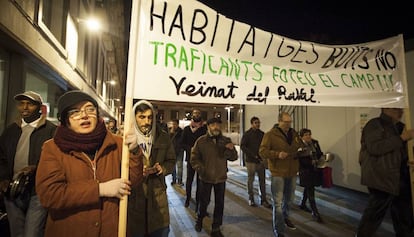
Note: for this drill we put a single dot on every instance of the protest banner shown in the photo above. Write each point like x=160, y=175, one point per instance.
x=184, y=51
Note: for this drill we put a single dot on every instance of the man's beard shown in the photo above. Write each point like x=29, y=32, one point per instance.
x=32, y=117
x=215, y=132
x=197, y=119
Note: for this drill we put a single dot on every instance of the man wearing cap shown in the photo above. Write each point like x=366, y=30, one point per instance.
x=209, y=157
x=20, y=148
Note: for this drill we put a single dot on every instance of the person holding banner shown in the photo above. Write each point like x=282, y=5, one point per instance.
x=384, y=170
x=194, y=130
x=280, y=146
x=148, y=213
x=209, y=158
x=78, y=176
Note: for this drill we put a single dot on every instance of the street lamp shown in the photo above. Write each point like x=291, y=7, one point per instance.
x=92, y=23
x=228, y=108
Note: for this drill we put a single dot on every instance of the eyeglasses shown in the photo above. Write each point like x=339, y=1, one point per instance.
x=77, y=113
x=290, y=121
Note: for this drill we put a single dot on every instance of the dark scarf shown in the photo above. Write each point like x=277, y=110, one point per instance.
x=33, y=116
x=67, y=140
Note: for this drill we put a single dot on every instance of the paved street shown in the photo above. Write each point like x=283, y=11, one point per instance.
x=340, y=209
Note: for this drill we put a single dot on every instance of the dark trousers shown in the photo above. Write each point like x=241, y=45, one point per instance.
x=378, y=204
x=189, y=183
x=308, y=192
x=205, y=194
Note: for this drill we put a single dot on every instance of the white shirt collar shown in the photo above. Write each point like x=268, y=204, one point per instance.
x=33, y=124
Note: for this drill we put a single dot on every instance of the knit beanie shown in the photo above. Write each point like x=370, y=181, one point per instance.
x=68, y=100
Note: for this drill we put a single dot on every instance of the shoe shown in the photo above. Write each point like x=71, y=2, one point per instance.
x=317, y=217
x=187, y=202
x=289, y=224
x=198, y=227
x=216, y=233
x=275, y=234
x=172, y=183
x=266, y=204
x=305, y=208
x=251, y=203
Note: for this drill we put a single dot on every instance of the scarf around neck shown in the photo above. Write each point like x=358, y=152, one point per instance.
x=67, y=140
x=195, y=125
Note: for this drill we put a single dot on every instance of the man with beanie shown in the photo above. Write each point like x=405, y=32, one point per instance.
x=78, y=177
x=20, y=148
x=209, y=158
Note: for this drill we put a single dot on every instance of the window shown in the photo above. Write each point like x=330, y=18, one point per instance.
x=52, y=20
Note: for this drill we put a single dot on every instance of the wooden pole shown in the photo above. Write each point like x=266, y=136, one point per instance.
x=131, y=77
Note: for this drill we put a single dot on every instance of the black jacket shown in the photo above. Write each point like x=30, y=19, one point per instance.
x=383, y=155
x=250, y=145
x=188, y=138
x=8, y=144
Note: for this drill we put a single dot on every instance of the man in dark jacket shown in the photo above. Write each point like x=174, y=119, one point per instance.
x=175, y=135
x=194, y=130
x=250, y=144
x=209, y=158
x=148, y=213
x=384, y=170
x=20, y=148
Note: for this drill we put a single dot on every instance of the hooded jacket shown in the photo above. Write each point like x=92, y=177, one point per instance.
x=148, y=204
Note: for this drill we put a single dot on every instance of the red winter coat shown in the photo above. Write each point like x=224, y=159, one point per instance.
x=66, y=186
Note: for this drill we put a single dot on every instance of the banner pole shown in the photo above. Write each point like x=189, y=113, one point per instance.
x=131, y=76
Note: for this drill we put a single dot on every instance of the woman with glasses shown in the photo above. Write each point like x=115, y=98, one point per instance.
x=78, y=176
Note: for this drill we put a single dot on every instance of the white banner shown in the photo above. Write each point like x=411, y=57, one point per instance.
x=187, y=52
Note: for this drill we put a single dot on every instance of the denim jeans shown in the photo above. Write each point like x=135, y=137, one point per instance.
x=283, y=193
x=177, y=173
x=29, y=224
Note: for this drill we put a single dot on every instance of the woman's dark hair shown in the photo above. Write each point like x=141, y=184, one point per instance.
x=303, y=131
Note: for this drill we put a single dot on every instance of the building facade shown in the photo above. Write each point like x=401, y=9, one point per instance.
x=46, y=46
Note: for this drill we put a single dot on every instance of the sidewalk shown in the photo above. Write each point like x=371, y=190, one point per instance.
x=332, y=201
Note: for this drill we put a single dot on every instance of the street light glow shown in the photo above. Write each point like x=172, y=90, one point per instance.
x=93, y=24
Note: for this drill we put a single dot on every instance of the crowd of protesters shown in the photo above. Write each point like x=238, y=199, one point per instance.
x=73, y=170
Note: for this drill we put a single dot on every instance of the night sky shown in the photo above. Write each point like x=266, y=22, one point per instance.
x=327, y=22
